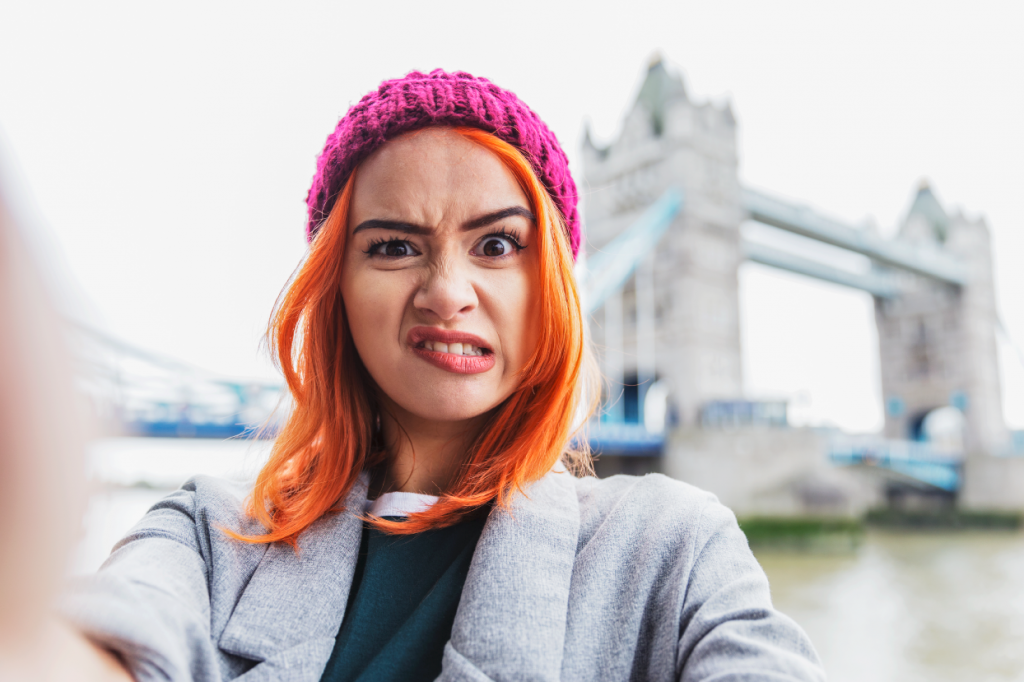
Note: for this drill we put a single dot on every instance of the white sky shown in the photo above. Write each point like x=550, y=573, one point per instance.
x=169, y=148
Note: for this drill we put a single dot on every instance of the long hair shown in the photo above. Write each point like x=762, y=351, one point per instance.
x=329, y=437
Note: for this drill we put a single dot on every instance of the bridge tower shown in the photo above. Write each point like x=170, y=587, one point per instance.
x=937, y=347
x=677, y=319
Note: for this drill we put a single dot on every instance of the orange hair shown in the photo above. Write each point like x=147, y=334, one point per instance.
x=328, y=439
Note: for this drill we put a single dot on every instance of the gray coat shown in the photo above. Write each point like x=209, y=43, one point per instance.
x=626, y=578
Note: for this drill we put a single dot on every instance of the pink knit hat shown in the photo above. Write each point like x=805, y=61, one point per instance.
x=440, y=99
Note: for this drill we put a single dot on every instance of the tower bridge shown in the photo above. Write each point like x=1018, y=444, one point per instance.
x=664, y=209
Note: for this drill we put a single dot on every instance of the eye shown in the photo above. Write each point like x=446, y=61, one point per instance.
x=497, y=245
x=391, y=248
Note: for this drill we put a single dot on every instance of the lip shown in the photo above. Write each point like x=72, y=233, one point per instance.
x=457, y=364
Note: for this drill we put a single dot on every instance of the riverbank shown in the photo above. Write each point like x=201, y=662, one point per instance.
x=832, y=534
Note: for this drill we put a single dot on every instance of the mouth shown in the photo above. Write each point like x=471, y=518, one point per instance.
x=453, y=351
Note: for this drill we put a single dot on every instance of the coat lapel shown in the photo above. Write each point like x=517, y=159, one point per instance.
x=291, y=610
x=512, y=614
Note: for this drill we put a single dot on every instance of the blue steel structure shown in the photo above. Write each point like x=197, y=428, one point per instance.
x=608, y=270
x=625, y=439
x=916, y=462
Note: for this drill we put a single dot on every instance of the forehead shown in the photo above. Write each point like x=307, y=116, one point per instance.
x=430, y=176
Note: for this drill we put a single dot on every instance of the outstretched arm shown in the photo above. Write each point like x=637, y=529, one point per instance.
x=150, y=602
x=42, y=486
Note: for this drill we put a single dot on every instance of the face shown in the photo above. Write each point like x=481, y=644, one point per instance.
x=440, y=276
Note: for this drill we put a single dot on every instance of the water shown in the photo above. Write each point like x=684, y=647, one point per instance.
x=907, y=607
x=933, y=607
x=131, y=474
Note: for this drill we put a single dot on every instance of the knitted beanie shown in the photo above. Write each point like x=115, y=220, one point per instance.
x=440, y=99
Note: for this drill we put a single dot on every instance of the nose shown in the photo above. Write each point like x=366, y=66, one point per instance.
x=447, y=292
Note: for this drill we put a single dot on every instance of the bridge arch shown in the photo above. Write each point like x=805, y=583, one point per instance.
x=943, y=428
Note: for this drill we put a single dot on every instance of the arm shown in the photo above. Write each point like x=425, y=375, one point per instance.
x=730, y=631
x=150, y=601
x=42, y=487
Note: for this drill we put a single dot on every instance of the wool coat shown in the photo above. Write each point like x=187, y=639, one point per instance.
x=625, y=578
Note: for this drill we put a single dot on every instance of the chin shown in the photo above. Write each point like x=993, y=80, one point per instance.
x=449, y=403
x=452, y=415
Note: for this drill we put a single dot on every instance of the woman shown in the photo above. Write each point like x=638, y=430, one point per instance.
x=416, y=518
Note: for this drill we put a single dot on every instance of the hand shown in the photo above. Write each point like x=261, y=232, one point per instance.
x=58, y=653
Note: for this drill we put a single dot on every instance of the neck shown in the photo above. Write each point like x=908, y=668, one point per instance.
x=424, y=456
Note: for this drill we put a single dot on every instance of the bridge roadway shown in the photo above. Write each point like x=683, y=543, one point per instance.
x=913, y=462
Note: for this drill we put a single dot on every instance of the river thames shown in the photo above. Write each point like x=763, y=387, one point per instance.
x=902, y=606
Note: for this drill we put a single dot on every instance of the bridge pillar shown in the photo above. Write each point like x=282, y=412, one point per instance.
x=937, y=347
x=669, y=141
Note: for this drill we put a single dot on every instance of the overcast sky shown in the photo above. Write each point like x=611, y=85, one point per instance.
x=168, y=149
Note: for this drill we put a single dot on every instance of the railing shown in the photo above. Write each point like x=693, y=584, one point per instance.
x=918, y=461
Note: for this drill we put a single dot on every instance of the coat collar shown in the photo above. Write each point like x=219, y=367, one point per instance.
x=296, y=601
x=512, y=614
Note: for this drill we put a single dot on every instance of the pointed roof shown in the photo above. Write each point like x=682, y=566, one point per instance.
x=658, y=88
x=927, y=206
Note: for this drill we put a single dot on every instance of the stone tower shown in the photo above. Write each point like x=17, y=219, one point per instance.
x=937, y=342
x=677, y=320
x=937, y=346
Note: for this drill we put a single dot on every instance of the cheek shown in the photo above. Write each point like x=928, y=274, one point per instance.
x=373, y=306
x=519, y=318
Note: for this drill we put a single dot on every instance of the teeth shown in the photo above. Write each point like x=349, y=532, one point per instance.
x=453, y=348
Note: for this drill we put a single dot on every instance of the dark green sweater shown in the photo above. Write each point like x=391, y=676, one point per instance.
x=402, y=604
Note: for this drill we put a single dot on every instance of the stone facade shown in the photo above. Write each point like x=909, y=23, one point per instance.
x=771, y=472
x=937, y=347
x=937, y=342
x=670, y=141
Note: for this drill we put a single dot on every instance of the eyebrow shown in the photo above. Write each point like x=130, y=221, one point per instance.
x=485, y=220
x=475, y=224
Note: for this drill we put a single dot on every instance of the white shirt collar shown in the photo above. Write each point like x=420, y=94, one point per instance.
x=399, y=504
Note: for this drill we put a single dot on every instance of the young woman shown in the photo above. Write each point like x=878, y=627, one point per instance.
x=418, y=517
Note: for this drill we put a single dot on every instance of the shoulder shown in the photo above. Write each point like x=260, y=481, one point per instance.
x=205, y=498
x=217, y=497
x=196, y=515
x=654, y=497
x=655, y=507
